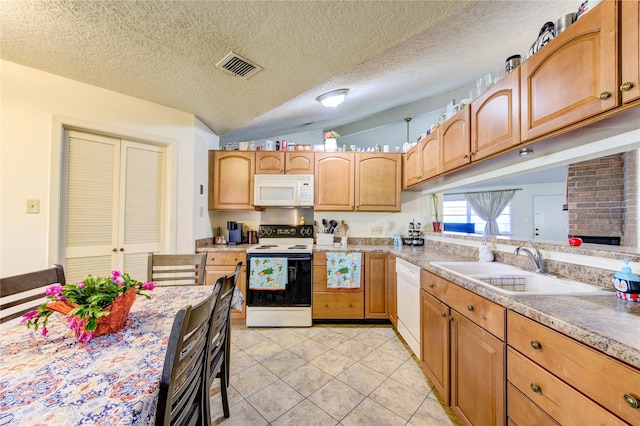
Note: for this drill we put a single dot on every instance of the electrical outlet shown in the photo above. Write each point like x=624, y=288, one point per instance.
x=376, y=230
x=33, y=205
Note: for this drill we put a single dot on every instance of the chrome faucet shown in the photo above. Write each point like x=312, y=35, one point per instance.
x=537, y=259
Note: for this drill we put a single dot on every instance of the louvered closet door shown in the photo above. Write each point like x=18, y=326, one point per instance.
x=114, y=205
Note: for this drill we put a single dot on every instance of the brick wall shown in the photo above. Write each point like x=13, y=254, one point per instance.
x=596, y=197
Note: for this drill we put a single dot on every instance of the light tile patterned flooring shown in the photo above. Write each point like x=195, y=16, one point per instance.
x=326, y=375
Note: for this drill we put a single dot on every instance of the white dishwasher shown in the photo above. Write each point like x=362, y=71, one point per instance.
x=408, y=288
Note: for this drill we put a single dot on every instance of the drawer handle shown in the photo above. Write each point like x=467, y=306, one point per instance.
x=536, y=345
x=626, y=86
x=350, y=305
x=326, y=305
x=431, y=285
x=535, y=388
x=631, y=400
x=469, y=307
x=442, y=314
x=605, y=95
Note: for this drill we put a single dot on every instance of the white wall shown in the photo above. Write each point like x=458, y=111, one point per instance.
x=34, y=107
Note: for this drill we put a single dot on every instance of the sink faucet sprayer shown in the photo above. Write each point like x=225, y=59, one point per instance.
x=537, y=259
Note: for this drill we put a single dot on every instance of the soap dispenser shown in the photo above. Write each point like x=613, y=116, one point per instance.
x=627, y=283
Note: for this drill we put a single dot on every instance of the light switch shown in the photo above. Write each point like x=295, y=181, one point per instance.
x=33, y=205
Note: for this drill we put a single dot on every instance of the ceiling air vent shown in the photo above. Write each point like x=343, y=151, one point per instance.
x=237, y=65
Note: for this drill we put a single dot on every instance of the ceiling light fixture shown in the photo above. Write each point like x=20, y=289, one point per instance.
x=332, y=99
x=524, y=152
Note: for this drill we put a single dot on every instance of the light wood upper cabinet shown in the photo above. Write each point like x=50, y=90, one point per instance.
x=378, y=180
x=334, y=181
x=299, y=163
x=288, y=162
x=455, y=141
x=270, y=162
x=231, y=180
x=630, y=58
x=423, y=160
x=495, y=118
x=573, y=77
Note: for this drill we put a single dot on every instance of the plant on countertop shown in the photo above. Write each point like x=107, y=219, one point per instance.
x=436, y=213
x=330, y=134
x=90, y=299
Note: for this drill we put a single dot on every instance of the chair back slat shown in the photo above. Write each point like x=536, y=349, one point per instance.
x=177, y=269
x=180, y=395
x=22, y=293
x=218, y=344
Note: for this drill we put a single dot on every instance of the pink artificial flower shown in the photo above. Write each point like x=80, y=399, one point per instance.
x=115, y=275
x=53, y=290
x=29, y=316
x=149, y=286
x=119, y=281
x=81, y=337
x=88, y=337
x=45, y=331
x=81, y=284
x=62, y=298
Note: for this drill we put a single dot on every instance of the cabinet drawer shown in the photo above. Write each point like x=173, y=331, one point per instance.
x=522, y=412
x=319, y=259
x=338, y=305
x=227, y=258
x=485, y=313
x=602, y=378
x=560, y=401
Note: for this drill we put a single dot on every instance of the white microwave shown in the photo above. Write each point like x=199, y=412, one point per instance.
x=283, y=190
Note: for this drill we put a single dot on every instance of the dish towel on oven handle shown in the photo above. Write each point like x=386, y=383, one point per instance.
x=268, y=273
x=343, y=270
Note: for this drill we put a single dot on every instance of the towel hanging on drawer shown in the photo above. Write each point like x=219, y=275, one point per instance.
x=343, y=270
x=268, y=273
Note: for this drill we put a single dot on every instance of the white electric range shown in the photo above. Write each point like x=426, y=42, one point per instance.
x=280, y=277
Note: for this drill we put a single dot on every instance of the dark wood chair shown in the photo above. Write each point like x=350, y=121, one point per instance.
x=180, y=399
x=22, y=293
x=176, y=269
x=219, y=344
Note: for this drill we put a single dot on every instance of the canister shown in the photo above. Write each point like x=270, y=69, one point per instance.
x=512, y=63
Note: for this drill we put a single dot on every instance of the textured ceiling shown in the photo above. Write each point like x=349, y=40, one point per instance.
x=388, y=53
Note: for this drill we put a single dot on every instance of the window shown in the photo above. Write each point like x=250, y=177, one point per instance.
x=456, y=210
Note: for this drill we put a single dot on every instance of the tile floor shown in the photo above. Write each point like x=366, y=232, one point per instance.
x=326, y=375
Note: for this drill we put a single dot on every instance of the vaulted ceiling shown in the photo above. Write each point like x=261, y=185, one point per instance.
x=388, y=53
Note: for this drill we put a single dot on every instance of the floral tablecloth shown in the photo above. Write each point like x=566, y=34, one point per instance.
x=112, y=380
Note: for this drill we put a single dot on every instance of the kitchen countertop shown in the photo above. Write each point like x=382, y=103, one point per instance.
x=603, y=322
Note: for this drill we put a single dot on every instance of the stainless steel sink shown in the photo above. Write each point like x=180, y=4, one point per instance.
x=512, y=280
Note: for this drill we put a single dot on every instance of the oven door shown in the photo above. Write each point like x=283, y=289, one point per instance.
x=297, y=291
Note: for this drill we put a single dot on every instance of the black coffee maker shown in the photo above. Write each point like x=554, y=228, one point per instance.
x=235, y=233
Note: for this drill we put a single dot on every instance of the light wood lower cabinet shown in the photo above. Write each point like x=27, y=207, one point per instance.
x=330, y=303
x=220, y=264
x=462, y=351
x=393, y=291
x=376, y=294
x=563, y=377
x=523, y=413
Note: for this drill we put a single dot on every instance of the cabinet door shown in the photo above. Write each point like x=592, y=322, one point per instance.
x=412, y=166
x=393, y=291
x=455, y=142
x=376, y=300
x=269, y=162
x=573, y=77
x=495, y=118
x=430, y=155
x=299, y=163
x=231, y=180
x=334, y=182
x=434, y=351
x=630, y=41
x=214, y=272
x=477, y=373
x=377, y=180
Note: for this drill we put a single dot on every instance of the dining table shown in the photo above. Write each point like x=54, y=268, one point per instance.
x=112, y=380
